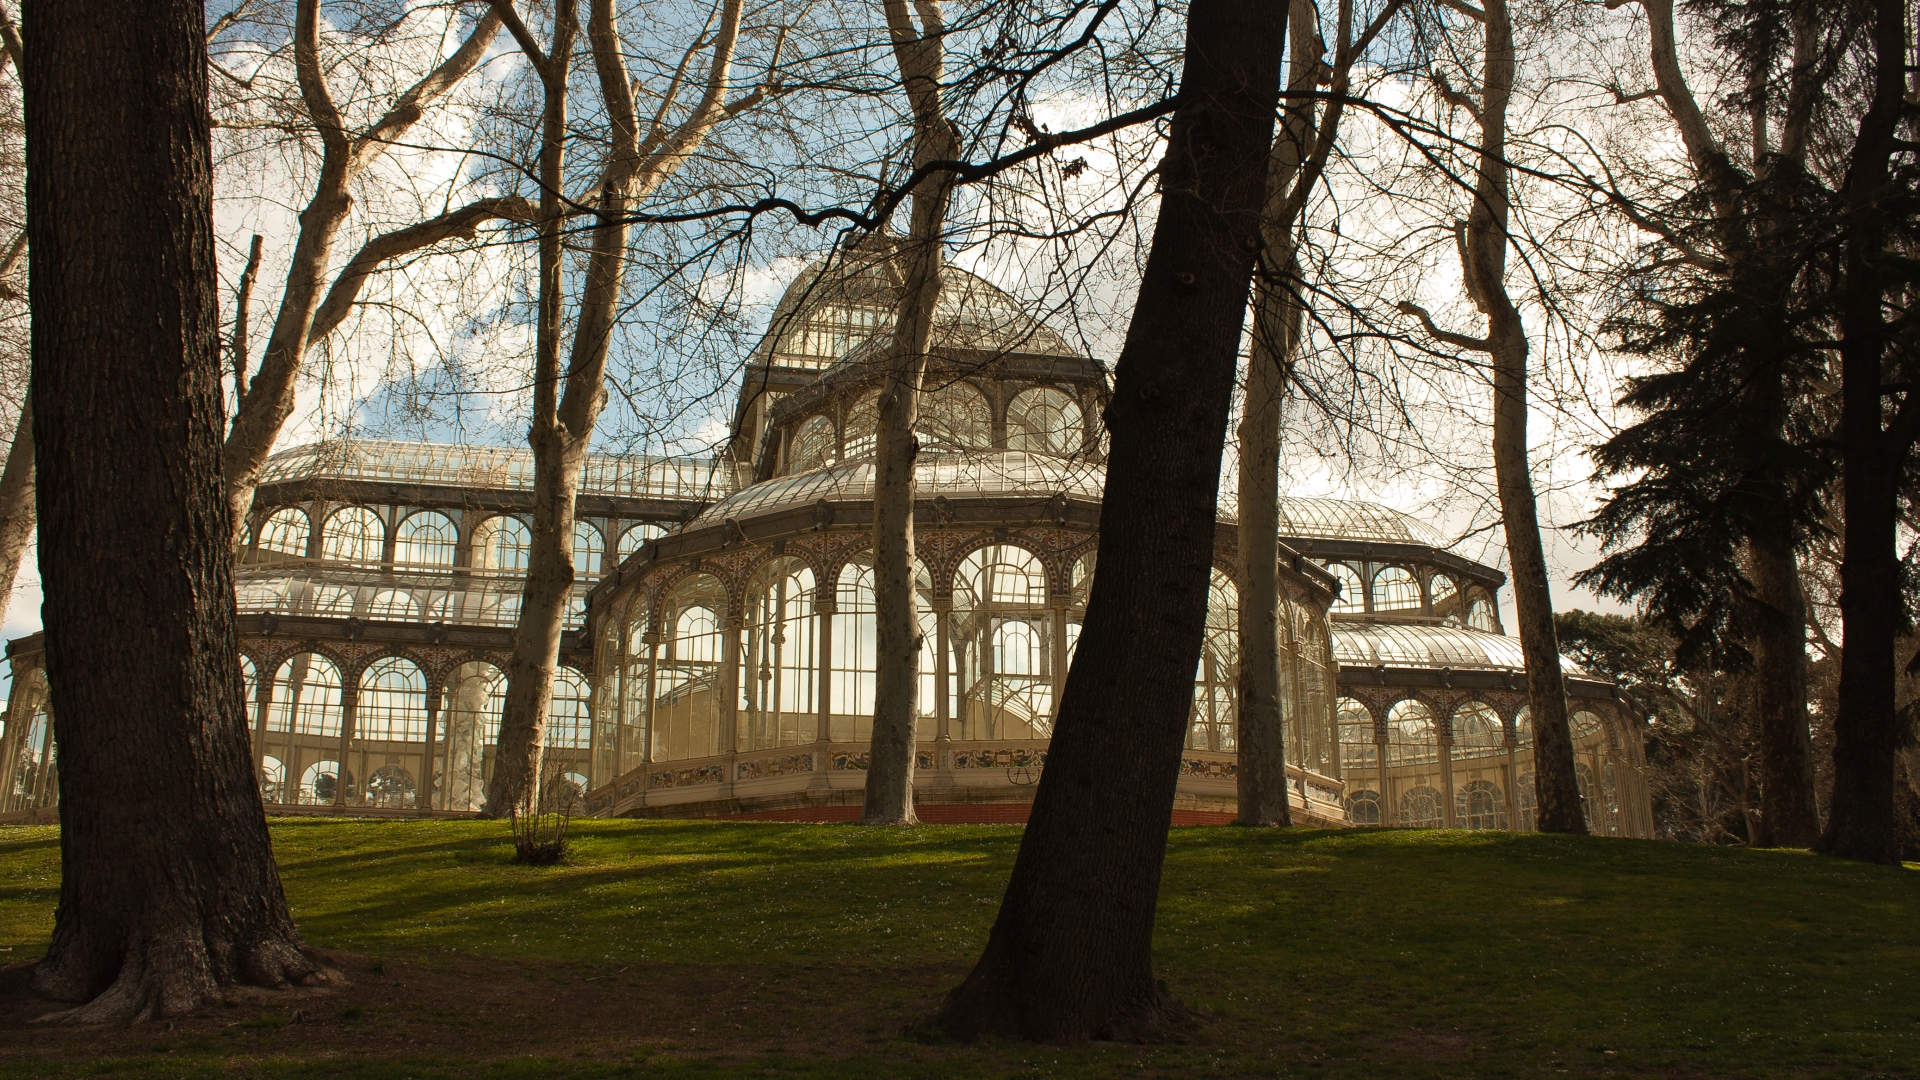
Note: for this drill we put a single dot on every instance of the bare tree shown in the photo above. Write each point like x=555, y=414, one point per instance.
x=919, y=50
x=168, y=888
x=1483, y=239
x=567, y=404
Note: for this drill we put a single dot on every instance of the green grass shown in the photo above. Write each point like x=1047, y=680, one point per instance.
x=1325, y=954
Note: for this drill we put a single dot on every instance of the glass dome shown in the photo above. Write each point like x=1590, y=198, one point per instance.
x=997, y=474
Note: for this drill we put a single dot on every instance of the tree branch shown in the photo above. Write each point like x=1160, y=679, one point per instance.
x=1408, y=307
x=463, y=223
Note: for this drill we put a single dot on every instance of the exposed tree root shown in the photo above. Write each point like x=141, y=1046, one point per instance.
x=173, y=975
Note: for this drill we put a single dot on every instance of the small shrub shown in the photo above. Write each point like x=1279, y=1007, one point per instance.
x=540, y=822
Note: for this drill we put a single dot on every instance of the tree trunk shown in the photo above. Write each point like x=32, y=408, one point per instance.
x=1260, y=781
x=1861, y=823
x=1485, y=253
x=1070, y=956
x=16, y=503
x=889, y=791
x=1789, y=814
x=168, y=889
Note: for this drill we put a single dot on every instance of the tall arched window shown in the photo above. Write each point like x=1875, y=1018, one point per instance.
x=1000, y=617
x=306, y=697
x=249, y=695
x=812, y=444
x=570, y=723
x=637, y=535
x=354, y=534
x=1446, y=597
x=1477, y=732
x=589, y=549
x=1357, y=748
x=393, y=702
x=502, y=543
x=1043, y=420
x=954, y=418
x=283, y=534
x=688, y=694
x=1353, y=594
x=426, y=538
x=1477, y=805
x=780, y=665
x=1077, y=603
x=1315, y=690
x=1523, y=728
x=854, y=655
x=861, y=432
x=1411, y=738
x=1584, y=725
x=1480, y=613
x=1395, y=589
x=1420, y=808
x=1216, y=680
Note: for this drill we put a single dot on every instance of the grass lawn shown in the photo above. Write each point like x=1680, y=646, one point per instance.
x=669, y=949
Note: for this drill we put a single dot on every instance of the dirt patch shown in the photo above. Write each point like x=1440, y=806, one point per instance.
x=475, y=1008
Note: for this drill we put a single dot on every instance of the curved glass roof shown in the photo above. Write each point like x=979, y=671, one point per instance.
x=996, y=474
x=835, y=307
x=1358, y=644
x=1423, y=645
x=1345, y=519
x=465, y=466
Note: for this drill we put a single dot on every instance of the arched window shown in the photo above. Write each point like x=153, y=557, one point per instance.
x=391, y=788
x=393, y=702
x=1315, y=689
x=781, y=662
x=1353, y=593
x=306, y=698
x=1583, y=776
x=1446, y=597
x=954, y=418
x=391, y=604
x=1477, y=805
x=854, y=656
x=283, y=535
x=502, y=543
x=812, y=444
x=1216, y=681
x=1420, y=808
x=1395, y=589
x=1477, y=732
x=688, y=695
x=273, y=779
x=469, y=724
x=1523, y=728
x=1000, y=617
x=1584, y=725
x=1411, y=739
x=1044, y=420
x=1082, y=588
x=861, y=432
x=1480, y=613
x=1526, y=795
x=249, y=694
x=1363, y=807
x=320, y=783
x=1357, y=748
x=637, y=535
x=354, y=534
x=569, y=722
x=589, y=549
x=427, y=538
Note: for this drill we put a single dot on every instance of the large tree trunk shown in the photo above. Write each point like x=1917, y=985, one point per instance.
x=168, y=888
x=889, y=791
x=1070, y=956
x=1485, y=251
x=1789, y=815
x=1861, y=823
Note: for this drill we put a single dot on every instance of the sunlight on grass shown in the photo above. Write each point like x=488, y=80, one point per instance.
x=1447, y=953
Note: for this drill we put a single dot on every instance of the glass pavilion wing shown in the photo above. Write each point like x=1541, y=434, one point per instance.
x=1399, y=645
x=468, y=466
x=1344, y=519
x=990, y=475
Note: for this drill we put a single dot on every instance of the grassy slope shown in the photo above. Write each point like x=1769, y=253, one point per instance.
x=1325, y=954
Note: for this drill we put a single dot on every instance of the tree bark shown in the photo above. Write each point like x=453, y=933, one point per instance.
x=1485, y=254
x=889, y=789
x=1070, y=955
x=1789, y=815
x=564, y=416
x=168, y=889
x=1862, y=822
